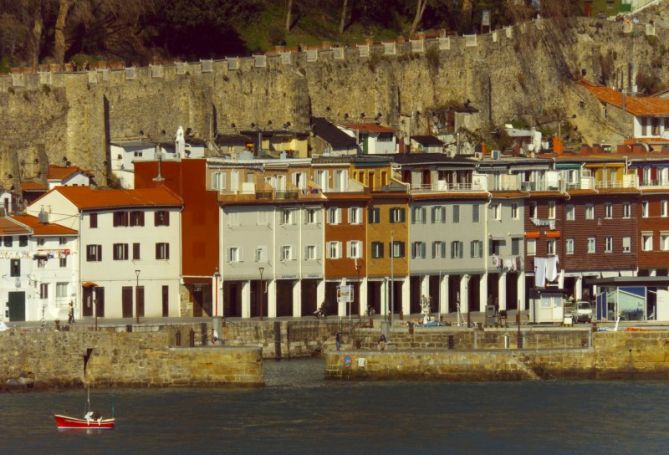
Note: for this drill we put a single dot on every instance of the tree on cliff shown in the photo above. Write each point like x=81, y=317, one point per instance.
x=289, y=13
x=420, y=10
x=342, y=21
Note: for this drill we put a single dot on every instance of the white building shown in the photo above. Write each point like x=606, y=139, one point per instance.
x=67, y=176
x=131, y=248
x=372, y=138
x=42, y=269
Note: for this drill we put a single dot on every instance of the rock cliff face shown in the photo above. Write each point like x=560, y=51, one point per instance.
x=525, y=71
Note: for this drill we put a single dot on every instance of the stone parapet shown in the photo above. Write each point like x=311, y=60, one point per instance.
x=138, y=359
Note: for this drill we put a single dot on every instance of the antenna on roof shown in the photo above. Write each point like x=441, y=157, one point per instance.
x=159, y=177
x=43, y=217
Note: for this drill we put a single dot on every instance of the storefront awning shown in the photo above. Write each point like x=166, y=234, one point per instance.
x=532, y=235
x=553, y=234
x=89, y=284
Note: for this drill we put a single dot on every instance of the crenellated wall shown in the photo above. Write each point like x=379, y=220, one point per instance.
x=521, y=71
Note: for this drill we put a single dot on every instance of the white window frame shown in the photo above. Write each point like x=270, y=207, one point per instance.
x=589, y=211
x=287, y=217
x=438, y=214
x=646, y=241
x=551, y=247
x=664, y=241
x=234, y=255
x=569, y=246
x=311, y=216
x=496, y=211
x=627, y=210
x=286, y=253
x=334, y=250
x=355, y=215
x=551, y=210
x=334, y=215
x=608, y=210
x=570, y=212
x=531, y=247
x=311, y=253
x=627, y=244
x=645, y=209
x=62, y=290
x=354, y=249
x=591, y=245
x=514, y=211
x=260, y=254
x=608, y=244
x=664, y=208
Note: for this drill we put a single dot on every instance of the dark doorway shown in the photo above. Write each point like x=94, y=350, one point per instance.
x=87, y=296
x=473, y=292
x=331, y=306
x=284, y=298
x=511, y=291
x=99, y=302
x=258, y=297
x=166, y=300
x=415, y=294
x=435, y=303
x=309, y=292
x=17, y=306
x=126, y=301
x=493, y=289
x=374, y=297
x=139, y=300
x=232, y=302
x=198, y=299
x=453, y=293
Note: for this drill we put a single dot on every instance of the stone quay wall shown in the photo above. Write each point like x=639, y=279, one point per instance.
x=613, y=355
x=139, y=359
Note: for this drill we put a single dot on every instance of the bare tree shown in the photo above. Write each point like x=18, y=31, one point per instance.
x=59, y=44
x=420, y=10
x=36, y=35
x=342, y=21
x=289, y=18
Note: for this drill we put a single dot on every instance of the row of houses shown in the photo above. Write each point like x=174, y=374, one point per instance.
x=276, y=237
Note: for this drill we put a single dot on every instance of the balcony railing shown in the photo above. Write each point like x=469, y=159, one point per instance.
x=443, y=186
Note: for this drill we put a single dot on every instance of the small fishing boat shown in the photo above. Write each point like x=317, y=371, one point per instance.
x=90, y=421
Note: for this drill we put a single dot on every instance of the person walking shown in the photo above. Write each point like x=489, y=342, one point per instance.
x=70, y=314
x=338, y=340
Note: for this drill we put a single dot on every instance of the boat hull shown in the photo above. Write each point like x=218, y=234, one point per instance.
x=72, y=423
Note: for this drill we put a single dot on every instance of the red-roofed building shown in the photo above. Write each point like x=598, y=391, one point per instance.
x=646, y=117
x=130, y=264
x=67, y=176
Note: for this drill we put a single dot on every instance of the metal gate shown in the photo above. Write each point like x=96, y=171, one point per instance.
x=17, y=306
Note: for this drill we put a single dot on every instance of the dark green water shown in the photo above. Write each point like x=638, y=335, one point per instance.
x=298, y=412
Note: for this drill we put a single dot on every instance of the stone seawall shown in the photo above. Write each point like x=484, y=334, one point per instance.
x=613, y=355
x=142, y=359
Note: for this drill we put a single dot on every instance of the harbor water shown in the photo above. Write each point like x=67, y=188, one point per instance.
x=299, y=412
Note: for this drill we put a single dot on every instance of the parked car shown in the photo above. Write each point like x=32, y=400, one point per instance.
x=582, y=312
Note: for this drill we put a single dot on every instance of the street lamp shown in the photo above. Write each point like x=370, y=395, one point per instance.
x=261, y=291
x=137, y=272
x=217, y=277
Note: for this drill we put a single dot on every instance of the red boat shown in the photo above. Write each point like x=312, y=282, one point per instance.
x=72, y=423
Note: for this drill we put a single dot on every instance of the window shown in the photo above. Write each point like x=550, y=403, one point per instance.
x=627, y=244
x=162, y=250
x=15, y=267
x=7, y=241
x=61, y=290
x=495, y=247
x=533, y=210
x=476, y=249
x=397, y=215
x=570, y=213
x=377, y=250
x=664, y=208
x=589, y=212
x=608, y=210
x=62, y=240
x=608, y=244
x=136, y=252
x=397, y=249
x=627, y=210
x=120, y=251
x=334, y=215
x=41, y=241
x=23, y=240
x=234, y=254
x=120, y=219
x=514, y=210
x=644, y=209
x=531, y=247
x=310, y=253
x=475, y=213
x=44, y=290
x=418, y=215
x=136, y=218
x=456, y=249
x=569, y=246
x=260, y=254
x=550, y=246
x=515, y=247
x=354, y=248
x=93, y=253
x=161, y=218
x=311, y=216
x=439, y=249
x=93, y=220
x=438, y=215
x=664, y=241
x=456, y=213
x=591, y=245
x=551, y=210
x=287, y=217
x=334, y=250
x=62, y=261
x=354, y=215
x=374, y=215
x=418, y=250
x=647, y=241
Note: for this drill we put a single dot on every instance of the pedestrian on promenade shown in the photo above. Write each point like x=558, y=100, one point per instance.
x=338, y=340
x=70, y=314
x=382, y=342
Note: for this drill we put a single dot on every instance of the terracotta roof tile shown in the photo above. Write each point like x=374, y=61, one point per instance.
x=43, y=229
x=87, y=198
x=62, y=172
x=649, y=106
x=369, y=127
x=29, y=185
x=10, y=227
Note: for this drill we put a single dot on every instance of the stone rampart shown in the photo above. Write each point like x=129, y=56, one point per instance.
x=613, y=355
x=520, y=71
x=138, y=359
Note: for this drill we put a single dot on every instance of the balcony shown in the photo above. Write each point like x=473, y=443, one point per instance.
x=505, y=263
x=629, y=181
x=442, y=186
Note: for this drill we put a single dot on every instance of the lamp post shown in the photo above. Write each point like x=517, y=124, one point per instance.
x=261, y=291
x=137, y=272
x=217, y=277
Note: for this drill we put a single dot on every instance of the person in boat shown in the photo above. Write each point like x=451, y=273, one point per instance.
x=92, y=415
